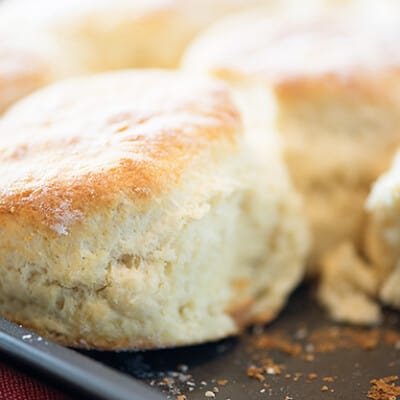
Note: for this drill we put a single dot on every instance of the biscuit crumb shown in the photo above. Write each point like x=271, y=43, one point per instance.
x=324, y=388
x=278, y=342
x=256, y=373
x=298, y=374
x=384, y=388
x=222, y=382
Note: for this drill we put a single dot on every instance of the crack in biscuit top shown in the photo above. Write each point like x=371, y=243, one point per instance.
x=284, y=48
x=81, y=143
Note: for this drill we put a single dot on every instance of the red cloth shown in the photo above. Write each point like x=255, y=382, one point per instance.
x=15, y=385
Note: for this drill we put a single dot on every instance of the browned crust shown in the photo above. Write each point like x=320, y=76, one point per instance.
x=242, y=316
x=374, y=87
x=112, y=152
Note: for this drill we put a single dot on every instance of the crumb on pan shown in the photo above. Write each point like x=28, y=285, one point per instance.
x=384, y=388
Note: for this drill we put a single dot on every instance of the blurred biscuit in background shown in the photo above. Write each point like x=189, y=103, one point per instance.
x=45, y=40
x=328, y=84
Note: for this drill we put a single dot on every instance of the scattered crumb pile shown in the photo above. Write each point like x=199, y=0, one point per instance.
x=325, y=340
x=173, y=383
x=267, y=367
x=384, y=388
x=306, y=345
x=270, y=368
x=278, y=342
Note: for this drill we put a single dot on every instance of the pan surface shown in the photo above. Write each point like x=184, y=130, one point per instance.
x=220, y=370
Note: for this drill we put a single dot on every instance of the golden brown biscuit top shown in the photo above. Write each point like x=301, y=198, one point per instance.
x=283, y=48
x=83, y=142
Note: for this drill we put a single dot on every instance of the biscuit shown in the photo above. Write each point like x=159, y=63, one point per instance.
x=45, y=40
x=382, y=239
x=134, y=215
x=328, y=85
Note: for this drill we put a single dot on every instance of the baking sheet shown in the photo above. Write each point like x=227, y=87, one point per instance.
x=198, y=370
